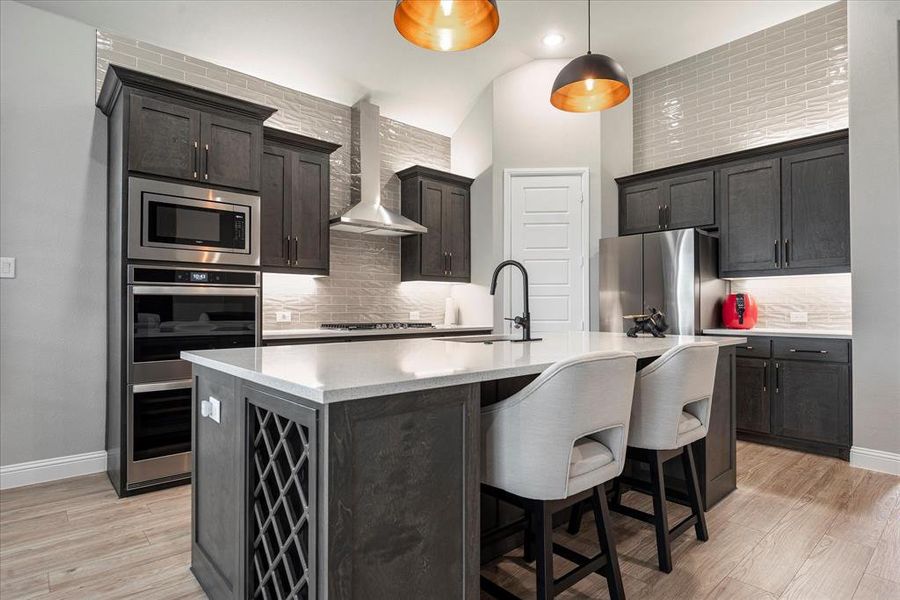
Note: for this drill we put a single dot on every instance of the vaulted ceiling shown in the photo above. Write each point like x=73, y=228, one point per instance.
x=345, y=50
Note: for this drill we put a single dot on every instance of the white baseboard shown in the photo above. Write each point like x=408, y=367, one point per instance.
x=51, y=469
x=875, y=460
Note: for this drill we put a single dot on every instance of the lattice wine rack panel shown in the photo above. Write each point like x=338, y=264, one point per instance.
x=282, y=506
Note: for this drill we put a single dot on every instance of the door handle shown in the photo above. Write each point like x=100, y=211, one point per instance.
x=296, y=251
x=659, y=218
x=450, y=256
x=667, y=213
x=809, y=351
x=777, y=253
x=196, y=157
x=206, y=170
x=777, y=378
x=787, y=254
x=287, y=249
x=766, y=376
x=746, y=347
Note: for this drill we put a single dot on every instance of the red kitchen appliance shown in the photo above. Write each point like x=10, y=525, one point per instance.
x=739, y=311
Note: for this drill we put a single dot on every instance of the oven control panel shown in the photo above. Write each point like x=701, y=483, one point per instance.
x=162, y=275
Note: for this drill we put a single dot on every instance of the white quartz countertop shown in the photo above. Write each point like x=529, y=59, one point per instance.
x=841, y=334
x=329, y=373
x=291, y=334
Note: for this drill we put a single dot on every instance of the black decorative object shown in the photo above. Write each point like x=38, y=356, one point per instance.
x=653, y=323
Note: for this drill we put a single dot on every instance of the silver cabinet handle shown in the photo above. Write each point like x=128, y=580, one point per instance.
x=450, y=254
x=746, y=347
x=787, y=254
x=809, y=351
x=777, y=378
x=777, y=253
x=659, y=218
x=296, y=251
x=766, y=376
x=287, y=249
x=196, y=156
x=206, y=171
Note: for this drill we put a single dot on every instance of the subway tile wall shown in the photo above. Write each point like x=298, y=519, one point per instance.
x=824, y=298
x=364, y=282
x=784, y=82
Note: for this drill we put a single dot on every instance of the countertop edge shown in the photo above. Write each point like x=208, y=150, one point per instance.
x=818, y=333
x=382, y=389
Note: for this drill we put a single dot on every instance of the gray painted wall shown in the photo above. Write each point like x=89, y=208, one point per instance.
x=53, y=221
x=875, y=222
x=526, y=131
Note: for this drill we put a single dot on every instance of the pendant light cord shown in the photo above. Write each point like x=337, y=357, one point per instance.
x=589, y=26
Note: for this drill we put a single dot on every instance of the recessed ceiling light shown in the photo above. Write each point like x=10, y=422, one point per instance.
x=553, y=39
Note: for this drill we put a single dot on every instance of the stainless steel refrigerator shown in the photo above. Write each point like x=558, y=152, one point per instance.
x=675, y=272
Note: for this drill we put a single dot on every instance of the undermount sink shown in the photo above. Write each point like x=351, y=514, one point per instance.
x=477, y=339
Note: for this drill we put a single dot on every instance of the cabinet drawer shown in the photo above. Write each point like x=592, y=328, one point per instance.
x=756, y=347
x=822, y=350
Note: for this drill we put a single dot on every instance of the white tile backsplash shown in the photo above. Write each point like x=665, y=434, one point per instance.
x=824, y=298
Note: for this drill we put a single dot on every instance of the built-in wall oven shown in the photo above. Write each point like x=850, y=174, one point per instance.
x=186, y=223
x=169, y=310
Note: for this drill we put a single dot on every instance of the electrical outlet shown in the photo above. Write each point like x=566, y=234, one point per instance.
x=282, y=316
x=799, y=317
x=7, y=267
x=414, y=315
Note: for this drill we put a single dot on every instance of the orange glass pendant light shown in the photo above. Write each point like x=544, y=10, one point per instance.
x=447, y=25
x=590, y=83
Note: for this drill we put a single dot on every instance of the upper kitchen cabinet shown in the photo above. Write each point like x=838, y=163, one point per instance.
x=780, y=210
x=295, y=202
x=815, y=209
x=440, y=201
x=686, y=200
x=179, y=132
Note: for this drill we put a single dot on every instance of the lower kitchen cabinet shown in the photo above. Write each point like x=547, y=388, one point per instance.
x=795, y=392
x=812, y=401
x=752, y=395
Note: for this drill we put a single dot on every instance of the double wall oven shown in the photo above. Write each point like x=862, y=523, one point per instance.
x=187, y=298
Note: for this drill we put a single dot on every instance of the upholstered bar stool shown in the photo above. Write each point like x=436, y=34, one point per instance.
x=549, y=446
x=672, y=401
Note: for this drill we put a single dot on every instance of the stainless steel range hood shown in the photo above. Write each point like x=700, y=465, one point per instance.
x=368, y=215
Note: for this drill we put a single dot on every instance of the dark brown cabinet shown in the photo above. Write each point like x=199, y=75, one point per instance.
x=671, y=203
x=753, y=395
x=295, y=203
x=440, y=201
x=815, y=209
x=795, y=392
x=180, y=132
x=750, y=221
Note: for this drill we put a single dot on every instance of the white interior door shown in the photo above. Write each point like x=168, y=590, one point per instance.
x=546, y=232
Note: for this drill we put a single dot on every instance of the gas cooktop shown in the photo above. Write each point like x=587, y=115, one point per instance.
x=364, y=326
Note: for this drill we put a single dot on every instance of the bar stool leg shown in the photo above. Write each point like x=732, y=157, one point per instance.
x=575, y=518
x=661, y=521
x=608, y=546
x=543, y=529
x=617, y=492
x=690, y=474
x=529, y=536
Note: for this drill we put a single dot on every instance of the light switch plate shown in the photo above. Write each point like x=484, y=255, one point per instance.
x=414, y=314
x=282, y=316
x=7, y=267
x=799, y=317
x=215, y=409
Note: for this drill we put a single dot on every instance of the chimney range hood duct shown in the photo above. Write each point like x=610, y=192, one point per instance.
x=368, y=215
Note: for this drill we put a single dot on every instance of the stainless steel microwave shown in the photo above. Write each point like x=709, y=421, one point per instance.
x=186, y=223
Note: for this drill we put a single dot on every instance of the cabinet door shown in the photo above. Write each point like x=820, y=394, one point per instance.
x=815, y=205
x=718, y=465
x=275, y=204
x=812, y=401
x=749, y=227
x=231, y=151
x=163, y=138
x=640, y=208
x=753, y=395
x=434, y=259
x=689, y=201
x=309, y=208
x=456, y=230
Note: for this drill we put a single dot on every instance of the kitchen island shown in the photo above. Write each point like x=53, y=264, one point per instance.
x=351, y=470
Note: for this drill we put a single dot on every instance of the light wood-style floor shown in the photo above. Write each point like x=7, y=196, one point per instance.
x=799, y=527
